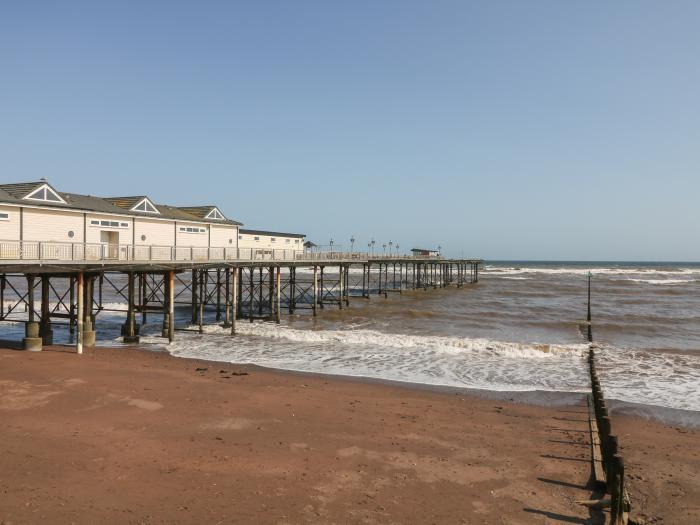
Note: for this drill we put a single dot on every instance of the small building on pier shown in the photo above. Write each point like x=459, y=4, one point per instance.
x=424, y=252
x=267, y=240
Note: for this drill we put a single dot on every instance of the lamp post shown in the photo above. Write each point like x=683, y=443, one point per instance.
x=352, y=243
x=391, y=243
x=384, y=248
x=331, y=243
x=397, y=248
x=439, y=250
x=373, y=243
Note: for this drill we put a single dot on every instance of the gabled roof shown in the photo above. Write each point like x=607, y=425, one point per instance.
x=16, y=192
x=205, y=212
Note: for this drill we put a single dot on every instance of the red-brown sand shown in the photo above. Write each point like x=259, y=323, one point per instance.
x=132, y=436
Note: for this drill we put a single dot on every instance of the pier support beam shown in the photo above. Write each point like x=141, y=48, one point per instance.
x=278, y=294
x=314, y=301
x=45, y=330
x=80, y=294
x=171, y=306
x=129, y=329
x=31, y=341
x=88, y=328
x=234, y=299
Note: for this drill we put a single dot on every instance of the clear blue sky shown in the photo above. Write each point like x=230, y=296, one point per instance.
x=541, y=129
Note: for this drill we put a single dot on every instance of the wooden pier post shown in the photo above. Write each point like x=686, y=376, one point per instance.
x=346, y=286
x=71, y=305
x=45, y=331
x=234, y=299
x=314, y=302
x=218, y=294
x=379, y=285
x=129, y=326
x=271, y=290
x=278, y=294
x=340, y=286
x=193, y=289
x=321, y=290
x=227, y=299
x=88, y=327
x=292, y=287
x=251, y=294
x=171, y=306
x=202, y=297
x=79, y=337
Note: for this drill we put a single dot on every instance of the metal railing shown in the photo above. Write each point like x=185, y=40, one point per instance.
x=25, y=251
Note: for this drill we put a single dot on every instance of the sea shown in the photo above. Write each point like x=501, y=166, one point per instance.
x=519, y=332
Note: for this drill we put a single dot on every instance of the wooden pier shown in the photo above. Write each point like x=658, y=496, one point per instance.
x=260, y=286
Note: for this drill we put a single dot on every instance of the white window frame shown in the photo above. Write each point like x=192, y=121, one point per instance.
x=104, y=223
x=48, y=189
x=191, y=229
x=146, y=202
x=4, y=216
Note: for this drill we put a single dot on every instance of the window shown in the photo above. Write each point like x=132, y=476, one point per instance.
x=286, y=241
x=44, y=193
x=192, y=229
x=71, y=234
x=273, y=239
x=215, y=214
x=145, y=205
x=4, y=216
x=296, y=241
x=109, y=224
x=143, y=237
x=256, y=238
x=240, y=237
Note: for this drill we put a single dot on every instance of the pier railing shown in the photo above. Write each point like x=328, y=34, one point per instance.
x=78, y=251
x=608, y=466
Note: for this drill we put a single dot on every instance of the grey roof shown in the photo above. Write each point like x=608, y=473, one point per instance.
x=423, y=250
x=277, y=234
x=14, y=193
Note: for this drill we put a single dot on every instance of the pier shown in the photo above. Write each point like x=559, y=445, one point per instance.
x=49, y=284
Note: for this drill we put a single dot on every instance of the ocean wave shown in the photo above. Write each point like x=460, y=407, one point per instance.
x=517, y=270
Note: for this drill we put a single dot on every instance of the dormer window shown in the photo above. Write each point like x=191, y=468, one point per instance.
x=44, y=193
x=215, y=214
x=144, y=205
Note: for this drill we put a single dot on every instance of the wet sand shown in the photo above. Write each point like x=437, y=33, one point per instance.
x=134, y=436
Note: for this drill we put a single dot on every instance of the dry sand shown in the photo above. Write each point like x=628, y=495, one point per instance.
x=132, y=436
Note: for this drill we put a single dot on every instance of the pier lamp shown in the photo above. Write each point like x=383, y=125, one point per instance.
x=397, y=248
x=373, y=243
x=384, y=247
x=439, y=249
x=352, y=243
x=331, y=243
x=390, y=245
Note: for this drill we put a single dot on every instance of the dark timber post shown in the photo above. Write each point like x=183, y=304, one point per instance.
x=202, y=290
x=251, y=294
x=292, y=288
x=227, y=293
x=129, y=327
x=193, y=287
x=340, y=286
x=171, y=306
x=278, y=294
x=271, y=290
x=218, y=294
x=320, y=299
x=71, y=306
x=45, y=330
x=88, y=328
x=314, y=302
x=234, y=300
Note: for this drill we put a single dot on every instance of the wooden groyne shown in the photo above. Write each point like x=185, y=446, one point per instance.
x=608, y=465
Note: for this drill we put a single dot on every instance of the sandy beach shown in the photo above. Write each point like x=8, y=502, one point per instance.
x=137, y=436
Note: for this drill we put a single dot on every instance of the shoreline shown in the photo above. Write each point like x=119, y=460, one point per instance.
x=149, y=437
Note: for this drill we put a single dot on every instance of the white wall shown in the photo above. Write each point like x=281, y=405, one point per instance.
x=222, y=234
x=192, y=239
x=9, y=228
x=156, y=233
x=52, y=225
